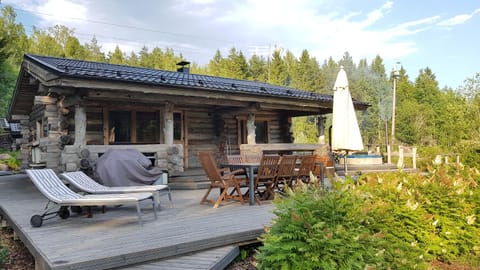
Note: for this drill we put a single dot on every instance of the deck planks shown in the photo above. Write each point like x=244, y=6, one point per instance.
x=115, y=239
x=216, y=258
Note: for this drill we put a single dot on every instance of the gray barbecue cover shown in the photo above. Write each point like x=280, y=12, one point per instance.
x=125, y=168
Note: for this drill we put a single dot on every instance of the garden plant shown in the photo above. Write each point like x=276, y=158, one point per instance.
x=381, y=221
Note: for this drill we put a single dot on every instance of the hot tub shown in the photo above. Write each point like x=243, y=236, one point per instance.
x=363, y=159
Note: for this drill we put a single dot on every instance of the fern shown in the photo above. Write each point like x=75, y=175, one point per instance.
x=389, y=221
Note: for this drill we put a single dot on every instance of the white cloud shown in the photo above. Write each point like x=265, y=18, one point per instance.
x=459, y=19
x=196, y=28
x=62, y=11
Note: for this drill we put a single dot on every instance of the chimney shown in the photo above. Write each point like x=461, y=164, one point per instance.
x=184, y=67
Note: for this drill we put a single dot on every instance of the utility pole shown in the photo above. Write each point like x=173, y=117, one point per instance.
x=396, y=76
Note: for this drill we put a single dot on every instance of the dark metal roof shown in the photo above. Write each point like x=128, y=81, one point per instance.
x=102, y=71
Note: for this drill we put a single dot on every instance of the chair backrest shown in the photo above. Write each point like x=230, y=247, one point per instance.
x=286, y=168
x=82, y=181
x=209, y=165
x=51, y=186
x=252, y=157
x=307, y=165
x=268, y=166
x=234, y=159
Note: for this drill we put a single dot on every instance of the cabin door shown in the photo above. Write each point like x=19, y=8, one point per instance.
x=179, y=134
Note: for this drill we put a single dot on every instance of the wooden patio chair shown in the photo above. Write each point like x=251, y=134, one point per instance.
x=236, y=159
x=251, y=157
x=307, y=165
x=265, y=179
x=286, y=172
x=219, y=178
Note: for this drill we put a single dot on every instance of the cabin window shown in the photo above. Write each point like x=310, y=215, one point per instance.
x=177, y=126
x=120, y=124
x=261, y=132
x=148, y=128
x=133, y=127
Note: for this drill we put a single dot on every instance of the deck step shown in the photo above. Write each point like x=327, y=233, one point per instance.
x=215, y=258
x=188, y=185
x=189, y=179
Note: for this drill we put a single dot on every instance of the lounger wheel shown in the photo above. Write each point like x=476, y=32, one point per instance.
x=63, y=212
x=36, y=221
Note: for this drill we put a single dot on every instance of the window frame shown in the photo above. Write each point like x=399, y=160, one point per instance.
x=133, y=124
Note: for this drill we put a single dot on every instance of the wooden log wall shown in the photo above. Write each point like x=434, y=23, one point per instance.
x=211, y=131
x=45, y=132
x=94, y=135
x=5, y=140
x=202, y=135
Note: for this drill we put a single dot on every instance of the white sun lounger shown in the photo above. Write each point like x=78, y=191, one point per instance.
x=58, y=193
x=84, y=183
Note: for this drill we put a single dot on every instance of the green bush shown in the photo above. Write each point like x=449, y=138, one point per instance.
x=13, y=163
x=3, y=256
x=469, y=152
x=385, y=221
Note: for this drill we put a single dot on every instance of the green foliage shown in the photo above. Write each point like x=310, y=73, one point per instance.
x=315, y=229
x=304, y=130
x=425, y=114
x=13, y=163
x=4, y=253
x=469, y=152
x=387, y=221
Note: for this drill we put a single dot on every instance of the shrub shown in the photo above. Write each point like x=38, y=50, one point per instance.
x=13, y=163
x=3, y=256
x=385, y=221
x=469, y=152
x=320, y=230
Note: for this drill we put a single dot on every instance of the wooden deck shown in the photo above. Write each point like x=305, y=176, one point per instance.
x=116, y=240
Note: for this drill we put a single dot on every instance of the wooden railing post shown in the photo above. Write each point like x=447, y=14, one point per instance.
x=414, y=158
x=400, y=157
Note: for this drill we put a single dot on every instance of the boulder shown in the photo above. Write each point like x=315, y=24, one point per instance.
x=3, y=167
x=4, y=156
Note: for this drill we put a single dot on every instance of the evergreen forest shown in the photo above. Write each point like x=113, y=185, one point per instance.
x=427, y=116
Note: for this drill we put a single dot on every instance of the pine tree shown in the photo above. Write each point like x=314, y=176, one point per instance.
x=278, y=70
x=216, y=65
x=117, y=57
x=258, y=68
x=73, y=49
x=93, y=51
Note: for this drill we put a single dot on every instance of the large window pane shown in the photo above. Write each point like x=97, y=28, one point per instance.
x=148, y=127
x=261, y=135
x=120, y=126
x=177, y=126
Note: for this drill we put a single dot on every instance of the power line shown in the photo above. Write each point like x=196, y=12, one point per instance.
x=120, y=25
x=135, y=43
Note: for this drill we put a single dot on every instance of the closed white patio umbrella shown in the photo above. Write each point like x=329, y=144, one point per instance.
x=345, y=131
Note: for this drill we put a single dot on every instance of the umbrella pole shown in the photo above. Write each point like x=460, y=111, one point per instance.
x=345, y=164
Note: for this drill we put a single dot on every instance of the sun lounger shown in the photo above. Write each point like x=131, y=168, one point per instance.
x=58, y=193
x=84, y=183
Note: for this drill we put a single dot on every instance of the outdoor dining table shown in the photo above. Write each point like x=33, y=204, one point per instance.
x=250, y=168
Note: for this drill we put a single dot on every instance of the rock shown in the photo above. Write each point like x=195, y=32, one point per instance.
x=3, y=167
x=5, y=156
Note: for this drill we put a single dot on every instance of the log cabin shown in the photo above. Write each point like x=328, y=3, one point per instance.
x=72, y=111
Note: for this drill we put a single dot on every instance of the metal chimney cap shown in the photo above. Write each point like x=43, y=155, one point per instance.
x=183, y=63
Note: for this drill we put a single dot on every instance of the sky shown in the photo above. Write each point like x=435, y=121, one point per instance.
x=440, y=34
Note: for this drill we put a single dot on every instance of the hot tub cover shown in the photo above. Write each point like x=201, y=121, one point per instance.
x=119, y=167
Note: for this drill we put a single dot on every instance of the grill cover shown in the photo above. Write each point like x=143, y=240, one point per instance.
x=119, y=167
